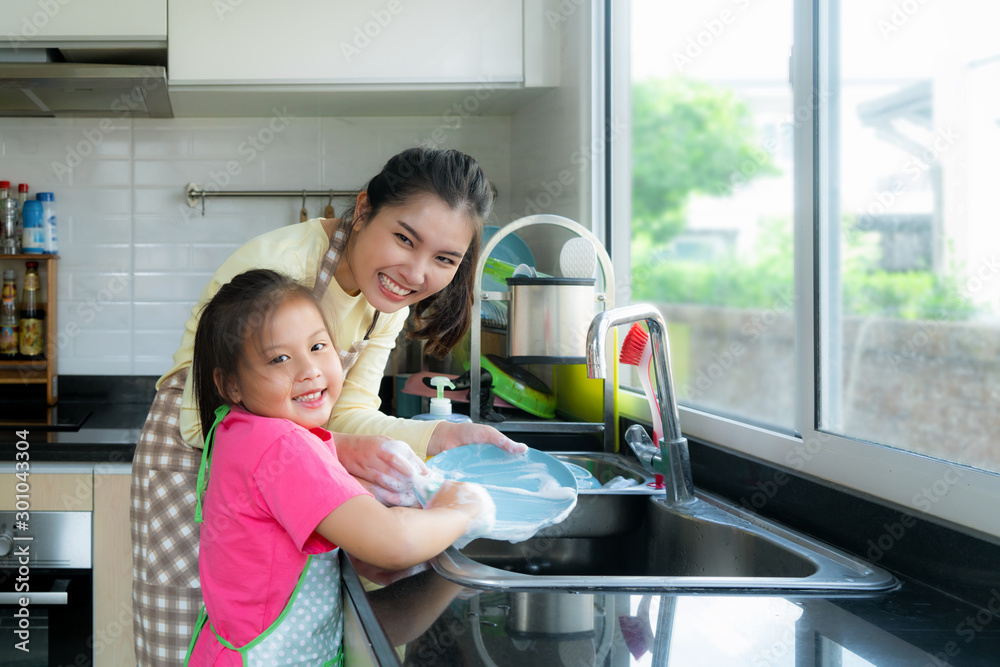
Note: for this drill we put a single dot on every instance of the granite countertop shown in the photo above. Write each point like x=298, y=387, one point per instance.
x=441, y=623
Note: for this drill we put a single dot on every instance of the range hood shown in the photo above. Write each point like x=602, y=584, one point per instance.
x=67, y=89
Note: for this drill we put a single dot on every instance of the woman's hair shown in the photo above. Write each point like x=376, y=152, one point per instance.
x=457, y=179
x=240, y=309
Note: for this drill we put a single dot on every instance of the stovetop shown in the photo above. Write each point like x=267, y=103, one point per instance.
x=40, y=417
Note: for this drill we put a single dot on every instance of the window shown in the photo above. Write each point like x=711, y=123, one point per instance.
x=811, y=209
x=712, y=202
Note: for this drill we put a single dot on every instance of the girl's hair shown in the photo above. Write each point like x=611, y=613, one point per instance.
x=240, y=309
x=457, y=179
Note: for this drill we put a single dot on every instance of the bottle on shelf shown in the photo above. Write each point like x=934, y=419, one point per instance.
x=33, y=239
x=10, y=244
x=4, y=189
x=22, y=196
x=32, y=331
x=49, y=222
x=9, y=319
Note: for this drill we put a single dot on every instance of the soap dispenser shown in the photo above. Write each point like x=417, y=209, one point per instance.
x=441, y=406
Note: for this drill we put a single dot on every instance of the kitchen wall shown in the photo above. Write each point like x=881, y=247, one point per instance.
x=135, y=256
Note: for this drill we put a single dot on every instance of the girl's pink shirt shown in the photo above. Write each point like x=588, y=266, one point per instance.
x=271, y=483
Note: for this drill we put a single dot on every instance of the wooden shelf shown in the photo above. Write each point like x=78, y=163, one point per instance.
x=42, y=257
x=42, y=371
x=27, y=363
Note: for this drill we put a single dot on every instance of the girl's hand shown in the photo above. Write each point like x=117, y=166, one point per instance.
x=466, y=496
x=471, y=499
x=448, y=435
x=385, y=467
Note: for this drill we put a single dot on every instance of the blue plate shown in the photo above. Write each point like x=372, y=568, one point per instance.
x=531, y=490
x=512, y=250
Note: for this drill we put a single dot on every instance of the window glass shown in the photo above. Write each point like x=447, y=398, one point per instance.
x=711, y=236
x=910, y=338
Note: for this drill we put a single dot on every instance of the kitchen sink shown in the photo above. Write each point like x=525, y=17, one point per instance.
x=631, y=539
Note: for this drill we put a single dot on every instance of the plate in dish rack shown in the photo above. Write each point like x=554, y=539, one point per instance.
x=531, y=490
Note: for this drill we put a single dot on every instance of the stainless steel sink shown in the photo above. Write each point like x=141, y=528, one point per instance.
x=632, y=540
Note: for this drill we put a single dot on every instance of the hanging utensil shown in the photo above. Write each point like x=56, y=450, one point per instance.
x=328, y=211
x=303, y=213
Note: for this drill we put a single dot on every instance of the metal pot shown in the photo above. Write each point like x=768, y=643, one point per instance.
x=548, y=319
x=551, y=615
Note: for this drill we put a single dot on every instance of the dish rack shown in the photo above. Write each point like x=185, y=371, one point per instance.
x=546, y=233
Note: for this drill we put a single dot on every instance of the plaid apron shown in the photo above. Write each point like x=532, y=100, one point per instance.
x=166, y=593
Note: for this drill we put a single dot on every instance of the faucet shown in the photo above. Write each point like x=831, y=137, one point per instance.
x=674, y=460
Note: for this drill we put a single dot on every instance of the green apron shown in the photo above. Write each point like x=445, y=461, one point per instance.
x=309, y=629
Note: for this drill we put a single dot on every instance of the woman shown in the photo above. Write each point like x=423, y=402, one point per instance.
x=412, y=239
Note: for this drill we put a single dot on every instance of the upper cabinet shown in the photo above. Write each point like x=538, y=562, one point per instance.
x=397, y=43
x=366, y=57
x=44, y=23
x=229, y=58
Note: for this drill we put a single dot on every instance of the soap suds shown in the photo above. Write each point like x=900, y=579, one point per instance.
x=396, y=487
x=482, y=525
x=523, y=490
x=425, y=485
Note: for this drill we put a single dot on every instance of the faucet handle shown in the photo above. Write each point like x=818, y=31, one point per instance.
x=643, y=446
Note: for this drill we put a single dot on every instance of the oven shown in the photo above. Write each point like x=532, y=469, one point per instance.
x=46, y=589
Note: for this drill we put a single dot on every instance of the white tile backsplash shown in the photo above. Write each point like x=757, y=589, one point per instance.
x=77, y=266
x=135, y=257
x=82, y=228
x=161, y=316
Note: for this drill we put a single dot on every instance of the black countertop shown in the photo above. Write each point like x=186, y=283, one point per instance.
x=444, y=624
x=109, y=411
x=441, y=623
x=108, y=435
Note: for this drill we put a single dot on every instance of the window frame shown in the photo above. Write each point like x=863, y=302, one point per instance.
x=948, y=492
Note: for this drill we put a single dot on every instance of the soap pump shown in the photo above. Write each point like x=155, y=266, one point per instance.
x=441, y=406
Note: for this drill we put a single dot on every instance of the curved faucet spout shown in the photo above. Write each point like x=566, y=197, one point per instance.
x=673, y=445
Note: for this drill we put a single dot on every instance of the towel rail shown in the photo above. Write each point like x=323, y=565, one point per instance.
x=194, y=193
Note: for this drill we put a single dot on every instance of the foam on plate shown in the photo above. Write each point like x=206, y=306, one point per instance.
x=530, y=490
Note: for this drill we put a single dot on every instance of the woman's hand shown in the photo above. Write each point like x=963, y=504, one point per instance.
x=383, y=466
x=447, y=435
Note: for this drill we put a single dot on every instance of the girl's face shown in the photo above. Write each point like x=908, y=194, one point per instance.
x=405, y=253
x=292, y=371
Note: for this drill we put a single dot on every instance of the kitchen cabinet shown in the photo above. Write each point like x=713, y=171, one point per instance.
x=104, y=490
x=113, y=635
x=46, y=528
x=381, y=42
x=44, y=370
x=49, y=492
x=231, y=58
x=45, y=23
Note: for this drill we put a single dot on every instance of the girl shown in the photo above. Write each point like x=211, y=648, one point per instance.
x=279, y=500
x=412, y=239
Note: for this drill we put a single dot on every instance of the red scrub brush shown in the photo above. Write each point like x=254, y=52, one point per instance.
x=637, y=351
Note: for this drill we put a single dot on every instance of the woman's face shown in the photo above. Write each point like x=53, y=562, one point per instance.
x=292, y=371
x=406, y=253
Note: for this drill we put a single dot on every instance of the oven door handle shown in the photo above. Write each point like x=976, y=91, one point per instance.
x=57, y=596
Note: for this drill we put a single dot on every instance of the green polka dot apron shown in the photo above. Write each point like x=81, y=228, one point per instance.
x=309, y=629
